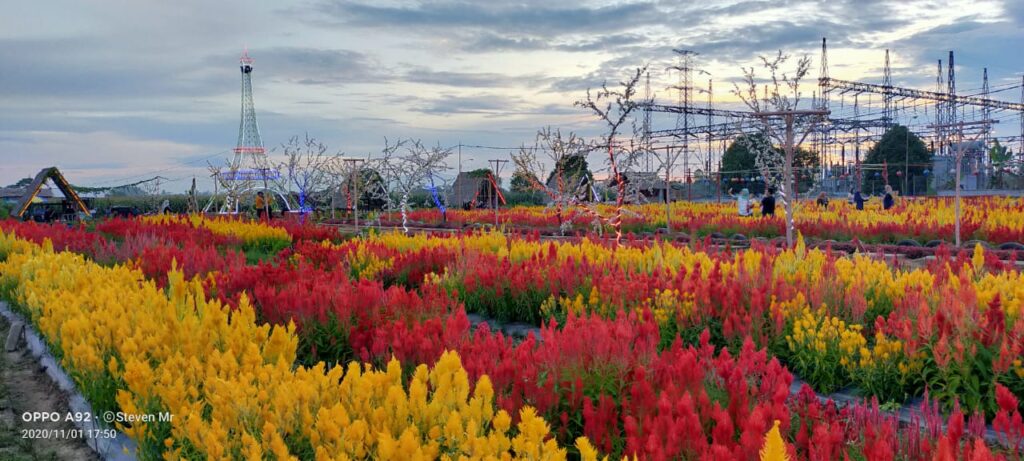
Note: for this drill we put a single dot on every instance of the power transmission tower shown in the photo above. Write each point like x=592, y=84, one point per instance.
x=887, y=91
x=684, y=120
x=707, y=160
x=940, y=112
x=646, y=135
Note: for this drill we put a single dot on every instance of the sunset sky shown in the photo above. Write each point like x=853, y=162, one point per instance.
x=117, y=91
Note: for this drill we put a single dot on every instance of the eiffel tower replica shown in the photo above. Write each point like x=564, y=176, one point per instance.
x=249, y=170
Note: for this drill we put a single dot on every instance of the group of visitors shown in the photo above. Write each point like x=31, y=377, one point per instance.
x=746, y=204
x=858, y=199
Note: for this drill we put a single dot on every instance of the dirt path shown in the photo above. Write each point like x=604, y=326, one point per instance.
x=24, y=387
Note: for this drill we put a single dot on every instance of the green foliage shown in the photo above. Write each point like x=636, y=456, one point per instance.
x=369, y=185
x=738, y=161
x=741, y=158
x=999, y=154
x=514, y=198
x=478, y=173
x=146, y=204
x=522, y=181
x=892, y=148
x=325, y=341
x=805, y=163
x=573, y=167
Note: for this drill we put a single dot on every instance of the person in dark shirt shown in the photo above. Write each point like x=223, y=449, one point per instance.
x=768, y=203
x=858, y=199
x=822, y=200
x=888, y=201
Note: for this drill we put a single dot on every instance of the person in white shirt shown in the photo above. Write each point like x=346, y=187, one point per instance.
x=742, y=201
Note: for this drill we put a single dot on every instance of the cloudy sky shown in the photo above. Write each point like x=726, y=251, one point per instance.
x=117, y=91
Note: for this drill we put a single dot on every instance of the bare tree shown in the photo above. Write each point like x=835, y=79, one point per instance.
x=780, y=99
x=407, y=165
x=307, y=170
x=559, y=150
x=616, y=107
x=232, y=181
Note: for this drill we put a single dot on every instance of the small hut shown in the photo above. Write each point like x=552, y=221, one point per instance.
x=475, y=189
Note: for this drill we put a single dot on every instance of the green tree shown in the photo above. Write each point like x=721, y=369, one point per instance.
x=806, y=166
x=892, y=148
x=522, y=181
x=999, y=155
x=372, y=193
x=572, y=167
x=739, y=161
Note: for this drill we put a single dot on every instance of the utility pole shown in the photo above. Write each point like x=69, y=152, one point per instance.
x=789, y=117
x=497, y=171
x=354, y=178
x=906, y=160
x=959, y=126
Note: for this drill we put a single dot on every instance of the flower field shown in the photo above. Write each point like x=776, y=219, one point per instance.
x=996, y=220
x=326, y=348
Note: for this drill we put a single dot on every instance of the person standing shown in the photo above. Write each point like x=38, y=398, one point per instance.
x=822, y=200
x=742, y=201
x=768, y=203
x=888, y=201
x=261, y=206
x=858, y=199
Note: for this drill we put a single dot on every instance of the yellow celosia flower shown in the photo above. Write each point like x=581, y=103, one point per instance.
x=774, y=448
x=229, y=381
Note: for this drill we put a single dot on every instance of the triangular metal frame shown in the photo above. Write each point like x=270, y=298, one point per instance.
x=37, y=184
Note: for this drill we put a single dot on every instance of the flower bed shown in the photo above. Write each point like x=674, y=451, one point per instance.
x=233, y=390
x=649, y=349
x=992, y=219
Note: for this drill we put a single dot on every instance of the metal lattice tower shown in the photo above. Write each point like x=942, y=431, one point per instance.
x=249, y=169
x=647, y=123
x=887, y=92
x=951, y=90
x=249, y=141
x=823, y=93
x=940, y=112
x=986, y=112
x=707, y=166
x=684, y=120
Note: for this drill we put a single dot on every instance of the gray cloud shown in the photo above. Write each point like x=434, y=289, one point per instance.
x=313, y=66
x=538, y=18
x=487, y=41
x=157, y=84
x=426, y=75
x=68, y=68
x=485, y=104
